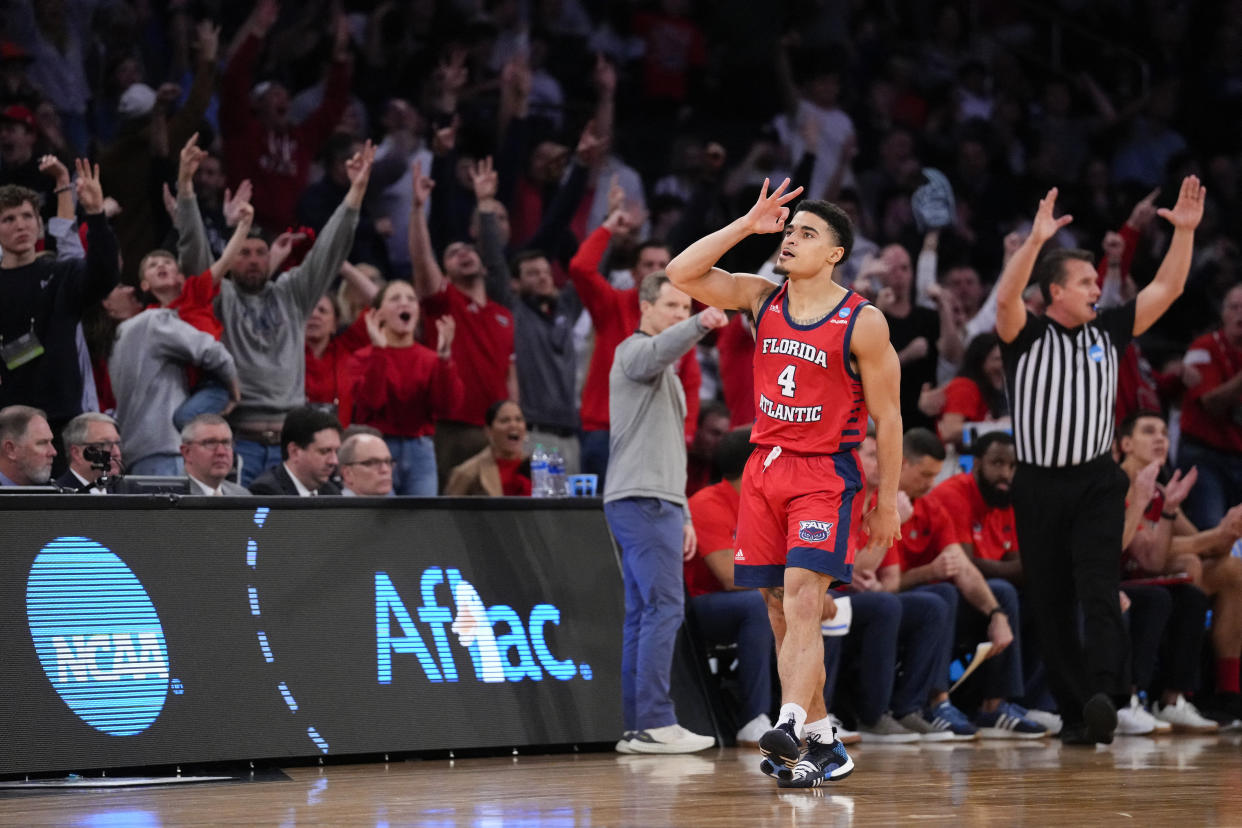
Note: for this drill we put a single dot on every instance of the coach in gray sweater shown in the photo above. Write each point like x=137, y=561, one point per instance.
x=645, y=504
x=147, y=369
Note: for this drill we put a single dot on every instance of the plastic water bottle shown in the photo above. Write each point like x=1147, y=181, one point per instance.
x=539, y=472
x=556, y=473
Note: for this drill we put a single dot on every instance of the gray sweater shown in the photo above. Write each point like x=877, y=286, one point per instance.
x=647, y=409
x=543, y=347
x=266, y=331
x=147, y=368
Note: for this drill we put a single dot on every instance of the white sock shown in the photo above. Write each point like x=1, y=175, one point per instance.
x=822, y=729
x=795, y=712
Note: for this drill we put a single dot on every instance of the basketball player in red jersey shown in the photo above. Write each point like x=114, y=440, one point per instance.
x=823, y=362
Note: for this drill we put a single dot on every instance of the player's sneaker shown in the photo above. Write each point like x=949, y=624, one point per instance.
x=1051, y=721
x=625, y=743
x=780, y=750
x=887, y=730
x=669, y=739
x=822, y=763
x=1008, y=721
x=1134, y=720
x=915, y=723
x=947, y=718
x=845, y=735
x=1184, y=716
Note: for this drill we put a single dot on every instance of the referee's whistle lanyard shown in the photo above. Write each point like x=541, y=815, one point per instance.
x=771, y=458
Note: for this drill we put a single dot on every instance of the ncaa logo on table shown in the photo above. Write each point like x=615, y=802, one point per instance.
x=814, y=531
x=1096, y=353
x=97, y=636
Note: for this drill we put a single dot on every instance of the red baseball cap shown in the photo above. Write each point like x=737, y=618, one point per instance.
x=21, y=115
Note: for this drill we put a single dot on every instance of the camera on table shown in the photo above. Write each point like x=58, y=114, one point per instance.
x=101, y=461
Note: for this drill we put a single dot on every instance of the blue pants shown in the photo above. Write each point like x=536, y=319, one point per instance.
x=414, y=466
x=164, y=465
x=649, y=531
x=925, y=640
x=1001, y=675
x=208, y=398
x=871, y=643
x=256, y=458
x=725, y=617
x=594, y=448
x=1219, y=485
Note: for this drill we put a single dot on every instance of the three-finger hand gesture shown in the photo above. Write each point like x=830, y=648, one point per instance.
x=770, y=213
x=90, y=191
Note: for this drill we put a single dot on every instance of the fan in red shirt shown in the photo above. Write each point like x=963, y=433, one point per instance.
x=402, y=386
x=1212, y=416
x=614, y=316
x=978, y=504
x=823, y=360
x=724, y=612
x=483, y=345
x=977, y=393
x=701, y=470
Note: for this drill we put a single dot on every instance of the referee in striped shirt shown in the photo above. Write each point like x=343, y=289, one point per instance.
x=1068, y=494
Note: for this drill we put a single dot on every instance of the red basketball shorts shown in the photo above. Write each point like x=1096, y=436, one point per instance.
x=796, y=510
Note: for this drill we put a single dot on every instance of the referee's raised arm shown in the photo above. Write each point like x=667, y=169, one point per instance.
x=1170, y=279
x=1010, y=309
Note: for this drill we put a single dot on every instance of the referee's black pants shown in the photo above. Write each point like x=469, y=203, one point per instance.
x=1070, y=522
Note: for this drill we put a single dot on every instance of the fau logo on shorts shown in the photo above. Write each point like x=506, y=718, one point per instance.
x=814, y=531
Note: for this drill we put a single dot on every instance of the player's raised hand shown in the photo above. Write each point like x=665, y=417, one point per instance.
x=1046, y=225
x=1188, y=210
x=770, y=213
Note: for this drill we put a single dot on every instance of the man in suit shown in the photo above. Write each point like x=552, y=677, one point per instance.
x=309, y=442
x=89, y=430
x=207, y=450
x=366, y=466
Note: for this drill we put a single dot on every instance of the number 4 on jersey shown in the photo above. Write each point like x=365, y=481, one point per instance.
x=786, y=381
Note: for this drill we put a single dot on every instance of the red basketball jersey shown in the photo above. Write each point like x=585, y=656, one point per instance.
x=808, y=399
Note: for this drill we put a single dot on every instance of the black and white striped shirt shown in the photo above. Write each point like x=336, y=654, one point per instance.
x=1062, y=386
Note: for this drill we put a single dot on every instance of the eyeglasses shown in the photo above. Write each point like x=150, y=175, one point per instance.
x=373, y=463
x=211, y=445
x=103, y=445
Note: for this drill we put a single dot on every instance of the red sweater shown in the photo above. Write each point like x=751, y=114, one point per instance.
x=615, y=315
x=482, y=346
x=330, y=378
x=276, y=162
x=403, y=391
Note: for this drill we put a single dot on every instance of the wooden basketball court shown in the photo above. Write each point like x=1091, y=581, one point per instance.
x=1135, y=781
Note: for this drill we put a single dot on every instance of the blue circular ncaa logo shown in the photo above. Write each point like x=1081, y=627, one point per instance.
x=1096, y=353
x=97, y=636
x=844, y=313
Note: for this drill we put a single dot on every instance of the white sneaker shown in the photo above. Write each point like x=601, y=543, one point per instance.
x=844, y=735
x=669, y=739
x=756, y=727
x=1051, y=721
x=1133, y=720
x=887, y=730
x=1184, y=716
x=625, y=743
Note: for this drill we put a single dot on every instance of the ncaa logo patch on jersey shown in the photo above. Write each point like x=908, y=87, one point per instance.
x=844, y=313
x=814, y=531
x=1096, y=353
